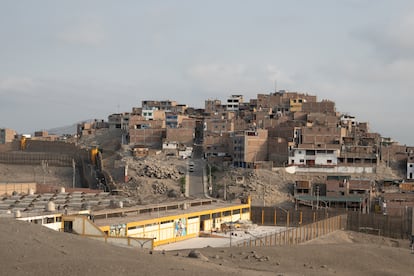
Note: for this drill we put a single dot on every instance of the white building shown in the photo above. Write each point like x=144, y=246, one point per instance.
x=148, y=114
x=314, y=157
x=410, y=167
x=234, y=102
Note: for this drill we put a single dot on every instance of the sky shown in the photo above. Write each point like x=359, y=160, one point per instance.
x=62, y=62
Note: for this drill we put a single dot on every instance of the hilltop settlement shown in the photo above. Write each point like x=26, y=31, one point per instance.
x=165, y=171
x=280, y=147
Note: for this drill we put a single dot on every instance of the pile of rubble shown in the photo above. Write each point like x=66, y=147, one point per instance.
x=159, y=188
x=154, y=169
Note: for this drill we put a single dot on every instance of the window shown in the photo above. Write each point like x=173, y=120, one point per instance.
x=226, y=213
x=301, y=160
x=329, y=161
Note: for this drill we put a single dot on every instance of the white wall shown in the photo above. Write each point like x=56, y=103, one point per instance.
x=320, y=158
x=410, y=170
x=337, y=169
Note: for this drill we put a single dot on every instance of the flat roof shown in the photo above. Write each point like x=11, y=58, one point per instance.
x=154, y=211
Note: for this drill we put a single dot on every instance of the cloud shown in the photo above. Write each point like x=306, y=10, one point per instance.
x=16, y=85
x=86, y=33
x=276, y=75
x=217, y=77
x=391, y=41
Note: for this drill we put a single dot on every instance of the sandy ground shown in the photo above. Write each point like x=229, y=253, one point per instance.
x=28, y=249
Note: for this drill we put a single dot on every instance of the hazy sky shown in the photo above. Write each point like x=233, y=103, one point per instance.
x=66, y=61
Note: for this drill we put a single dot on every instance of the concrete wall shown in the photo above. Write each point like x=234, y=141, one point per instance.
x=337, y=169
x=83, y=226
x=127, y=241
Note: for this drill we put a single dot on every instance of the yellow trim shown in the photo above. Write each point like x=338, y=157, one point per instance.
x=187, y=215
x=158, y=221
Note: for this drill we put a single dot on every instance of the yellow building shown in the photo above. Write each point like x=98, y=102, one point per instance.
x=296, y=104
x=170, y=223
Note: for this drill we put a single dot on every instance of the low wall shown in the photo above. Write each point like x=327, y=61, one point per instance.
x=334, y=170
x=86, y=228
x=20, y=188
x=146, y=243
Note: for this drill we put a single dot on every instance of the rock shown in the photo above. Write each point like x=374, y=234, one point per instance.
x=172, y=193
x=197, y=255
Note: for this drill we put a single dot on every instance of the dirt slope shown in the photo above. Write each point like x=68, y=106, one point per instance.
x=28, y=249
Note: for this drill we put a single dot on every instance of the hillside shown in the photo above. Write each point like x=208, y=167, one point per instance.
x=154, y=178
x=29, y=249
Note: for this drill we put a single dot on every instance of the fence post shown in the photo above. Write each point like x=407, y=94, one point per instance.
x=287, y=219
x=262, y=216
x=296, y=234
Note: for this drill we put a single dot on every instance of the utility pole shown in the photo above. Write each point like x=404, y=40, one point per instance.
x=225, y=191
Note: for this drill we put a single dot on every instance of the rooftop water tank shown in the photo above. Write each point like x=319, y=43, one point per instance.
x=17, y=214
x=51, y=206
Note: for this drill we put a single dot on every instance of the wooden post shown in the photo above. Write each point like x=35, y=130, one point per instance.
x=287, y=219
x=275, y=216
x=262, y=216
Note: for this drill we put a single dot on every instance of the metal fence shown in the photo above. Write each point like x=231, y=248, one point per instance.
x=295, y=235
x=36, y=158
x=397, y=227
x=290, y=217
